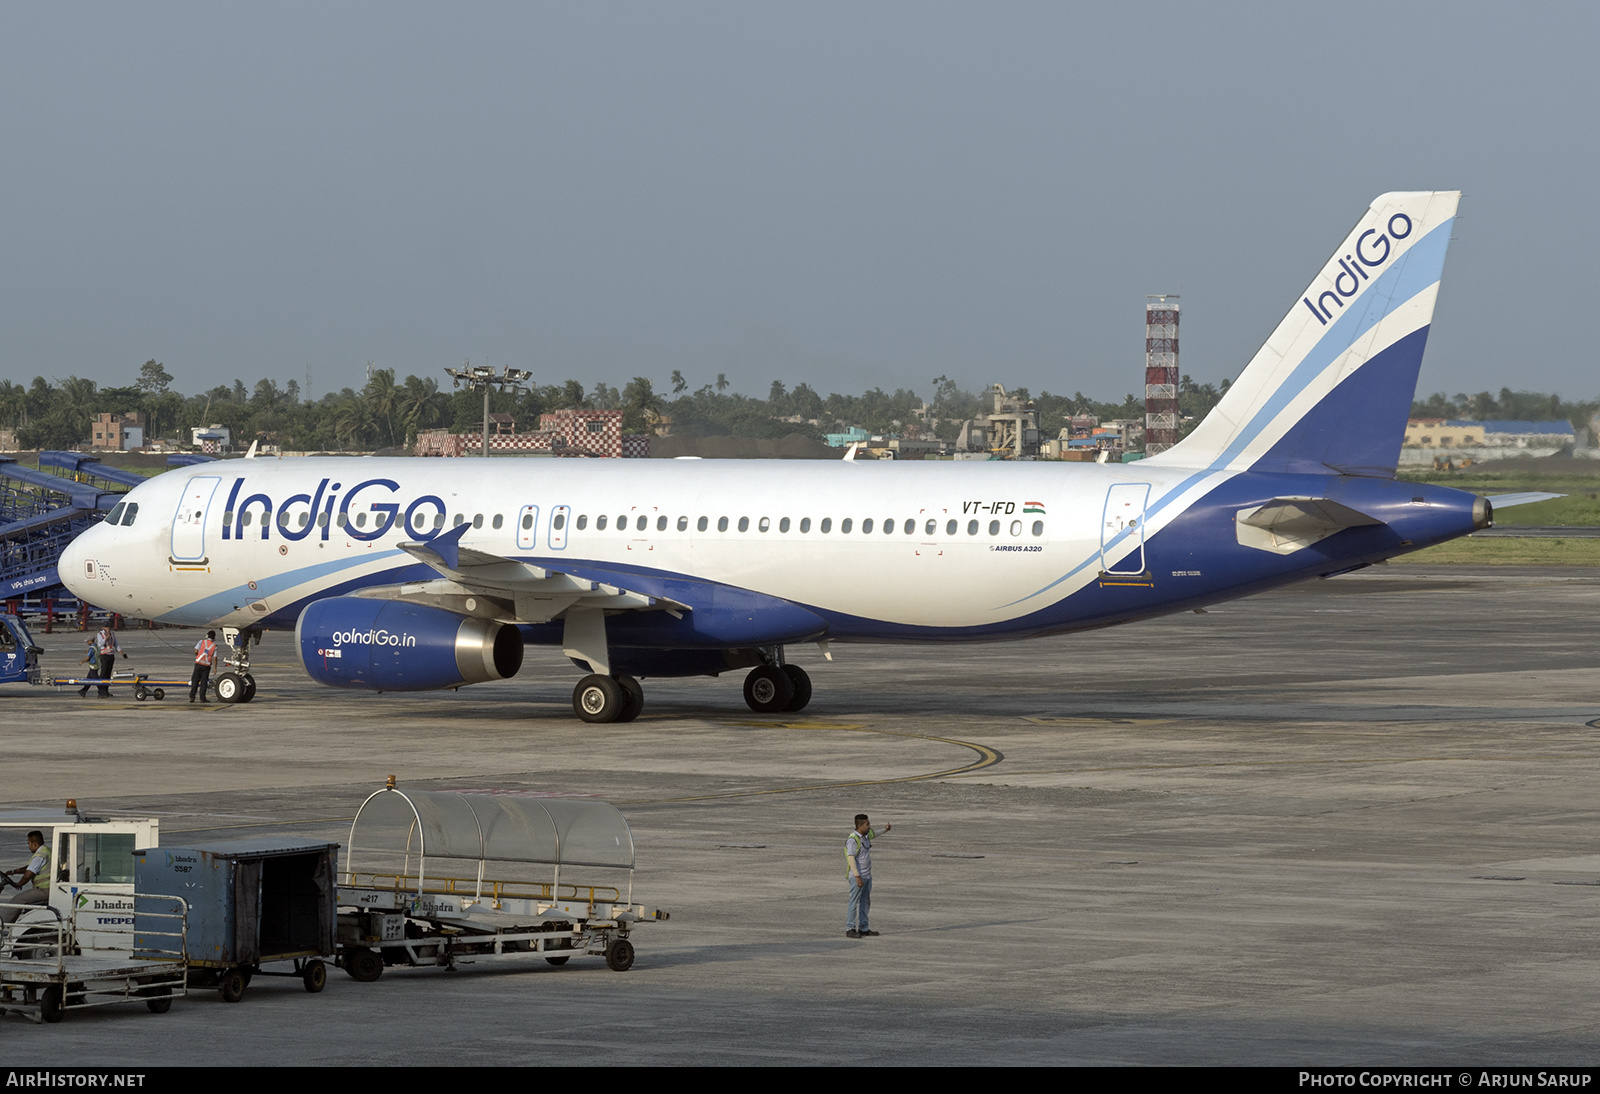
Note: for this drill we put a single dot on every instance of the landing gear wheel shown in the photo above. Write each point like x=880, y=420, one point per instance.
x=159, y=1003
x=230, y=688
x=52, y=1004
x=363, y=965
x=314, y=976
x=160, y=694
x=768, y=689
x=599, y=699
x=635, y=703
x=232, y=983
x=619, y=955
x=802, y=687
x=558, y=960
x=249, y=688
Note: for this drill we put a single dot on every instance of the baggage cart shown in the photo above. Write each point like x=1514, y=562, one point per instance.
x=443, y=879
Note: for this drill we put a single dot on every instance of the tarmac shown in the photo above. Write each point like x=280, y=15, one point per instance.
x=1350, y=823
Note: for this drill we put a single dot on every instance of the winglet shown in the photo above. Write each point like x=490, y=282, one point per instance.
x=448, y=545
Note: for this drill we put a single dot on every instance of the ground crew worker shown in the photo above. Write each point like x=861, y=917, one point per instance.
x=33, y=881
x=858, y=856
x=105, y=644
x=205, y=659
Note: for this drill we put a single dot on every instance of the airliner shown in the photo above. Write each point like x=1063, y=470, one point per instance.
x=410, y=574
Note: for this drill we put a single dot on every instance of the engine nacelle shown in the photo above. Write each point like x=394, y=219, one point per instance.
x=389, y=645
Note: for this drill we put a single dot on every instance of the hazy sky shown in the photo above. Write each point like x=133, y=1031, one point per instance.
x=848, y=194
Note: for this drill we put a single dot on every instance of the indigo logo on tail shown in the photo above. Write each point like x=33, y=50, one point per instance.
x=1370, y=253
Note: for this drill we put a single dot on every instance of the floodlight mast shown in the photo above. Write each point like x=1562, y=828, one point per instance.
x=482, y=378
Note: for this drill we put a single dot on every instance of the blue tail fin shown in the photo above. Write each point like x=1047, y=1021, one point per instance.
x=1332, y=388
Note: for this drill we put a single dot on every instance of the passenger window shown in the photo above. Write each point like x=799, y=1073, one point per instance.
x=342, y=519
x=248, y=517
x=1016, y=527
x=600, y=523
x=622, y=523
x=322, y=520
x=438, y=521
x=722, y=524
x=866, y=527
x=477, y=520
x=744, y=524
x=805, y=525
x=950, y=528
x=641, y=524
x=583, y=521
x=911, y=527
x=559, y=522
x=283, y=518
x=305, y=518
x=1038, y=527
x=683, y=523
x=458, y=521
x=826, y=526
x=499, y=519
x=972, y=527
x=701, y=525
x=888, y=527
x=844, y=526
x=527, y=521
x=661, y=524
x=765, y=525
x=931, y=529
x=783, y=525
x=994, y=528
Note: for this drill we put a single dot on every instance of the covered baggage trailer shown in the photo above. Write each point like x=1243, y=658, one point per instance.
x=251, y=903
x=440, y=878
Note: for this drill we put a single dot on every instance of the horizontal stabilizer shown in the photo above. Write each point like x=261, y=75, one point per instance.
x=1286, y=525
x=1527, y=497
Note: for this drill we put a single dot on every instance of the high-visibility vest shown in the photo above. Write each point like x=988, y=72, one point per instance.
x=205, y=652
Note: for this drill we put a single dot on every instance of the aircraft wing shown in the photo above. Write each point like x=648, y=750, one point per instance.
x=516, y=591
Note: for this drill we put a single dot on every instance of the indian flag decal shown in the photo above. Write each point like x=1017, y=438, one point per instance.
x=1033, y=507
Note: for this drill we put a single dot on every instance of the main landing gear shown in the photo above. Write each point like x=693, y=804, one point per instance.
x=769, y=689
x=774, y=689
x=608, y=698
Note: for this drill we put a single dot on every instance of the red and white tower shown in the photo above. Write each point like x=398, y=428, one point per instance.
x=1161, y=417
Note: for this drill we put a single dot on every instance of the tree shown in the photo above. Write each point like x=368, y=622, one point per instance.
x=154, y=379
x=722, y=382
x=382, y=398
x=641, y=406
x=679, y=384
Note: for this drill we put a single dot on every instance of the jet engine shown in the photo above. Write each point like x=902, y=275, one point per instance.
x=390, y=645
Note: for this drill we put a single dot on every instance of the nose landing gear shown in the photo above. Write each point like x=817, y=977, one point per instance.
x=235, y=684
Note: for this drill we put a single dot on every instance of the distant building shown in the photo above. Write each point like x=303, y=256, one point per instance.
x=117, y=432
x=211, y=439
x=1010, y=428
x=593, y=433
x=1429, y=439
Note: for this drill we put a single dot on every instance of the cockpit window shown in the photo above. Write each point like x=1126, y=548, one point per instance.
x=130, y=513
x=115, y=516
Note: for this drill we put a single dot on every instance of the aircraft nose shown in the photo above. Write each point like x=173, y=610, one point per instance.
x=72, y=566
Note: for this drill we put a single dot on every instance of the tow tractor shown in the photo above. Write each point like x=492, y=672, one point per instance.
x=418, y=889
x=76, y=949
x=19, y=653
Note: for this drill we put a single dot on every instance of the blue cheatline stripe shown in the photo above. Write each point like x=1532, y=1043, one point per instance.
x=266, y=587
x=1413, y=272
